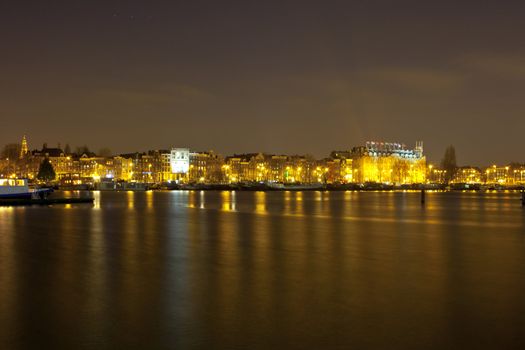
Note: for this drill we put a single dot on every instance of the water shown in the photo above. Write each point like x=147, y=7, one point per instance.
x=255, y=270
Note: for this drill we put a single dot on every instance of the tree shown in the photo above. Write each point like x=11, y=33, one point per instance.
x=46, y=172
x=449, y=163
x=104, y=152
x=11, y=151
x=67, y=149
x=80, y=150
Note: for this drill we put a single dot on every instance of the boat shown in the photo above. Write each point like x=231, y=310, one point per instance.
x=295, y=186
x=253, y=186
x=206, y=187
x=19, y=189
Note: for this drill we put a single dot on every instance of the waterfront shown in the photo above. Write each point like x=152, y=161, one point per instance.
x=223, y=270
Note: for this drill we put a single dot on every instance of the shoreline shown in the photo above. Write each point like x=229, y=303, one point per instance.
x=517, y=190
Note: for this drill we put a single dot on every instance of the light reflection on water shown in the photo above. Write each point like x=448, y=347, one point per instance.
x=228, y=201
x=8, y=272
x=260, y=202
x=96, y=197
x=195, y=269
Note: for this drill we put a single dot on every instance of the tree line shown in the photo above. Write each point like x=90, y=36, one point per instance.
x=12, y=151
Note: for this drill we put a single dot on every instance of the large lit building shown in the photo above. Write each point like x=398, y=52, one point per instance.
x=391, y=163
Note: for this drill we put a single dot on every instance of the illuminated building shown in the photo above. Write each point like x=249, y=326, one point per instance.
x=180, y=160
x=390, y=163
x=232, y=169
x=180, y=163
x=498, y=175
x=327, y=171
x=468, y=175
x=153, y=166
x=205, y=167
x=518, y=174
x=278, y=169
x=245, y=167
x=134, y=167
x=259, y=167
x=165, y=166
x=122, y=168
x=303, y=168
x=160, y=168
x=340, y=167
x=92, y=168
x=61, y=163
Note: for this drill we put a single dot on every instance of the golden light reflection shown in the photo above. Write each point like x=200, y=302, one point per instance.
x=299, y=204
x=6, y=209
x=229, y=284
x=135, y=242
x=130, y=239
x=287, y=203
x=202, y=200
x=191, y=199
x=260, y=202
x=96, y=202
x=8, y=268
x=131, y=199
x=228, y=201
x=264, y=265
x=149, y=200
x=318, y=200
x=347, y=201
x=234, y=200
x=97, y=264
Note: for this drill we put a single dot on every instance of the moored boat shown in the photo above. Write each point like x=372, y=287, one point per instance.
x=19, y=189
x=295, y=186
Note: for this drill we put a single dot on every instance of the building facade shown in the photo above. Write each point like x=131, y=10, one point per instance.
x=375, y=162
x=390, y=163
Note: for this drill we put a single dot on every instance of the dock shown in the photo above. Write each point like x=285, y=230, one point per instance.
x=45, y=201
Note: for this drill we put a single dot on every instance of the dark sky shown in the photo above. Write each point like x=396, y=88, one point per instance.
x=273, y=76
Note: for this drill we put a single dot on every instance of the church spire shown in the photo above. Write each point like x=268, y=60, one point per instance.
x=24, y=149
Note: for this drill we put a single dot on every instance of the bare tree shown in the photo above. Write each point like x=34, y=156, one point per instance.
x=11, y=151
x=449, y=163
x=82, y=149
x=104, y=152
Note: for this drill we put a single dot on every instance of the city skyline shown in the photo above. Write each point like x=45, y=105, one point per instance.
x=372, y=164
x=317, y=155
x=281, y=78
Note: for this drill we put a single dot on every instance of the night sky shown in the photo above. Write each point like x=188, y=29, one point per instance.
x=270, y=76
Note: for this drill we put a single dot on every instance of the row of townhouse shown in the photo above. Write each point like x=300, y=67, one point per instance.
x=374, y=162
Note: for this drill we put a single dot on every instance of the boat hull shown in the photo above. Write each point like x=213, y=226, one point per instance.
x=21, y=195
x=29, y=194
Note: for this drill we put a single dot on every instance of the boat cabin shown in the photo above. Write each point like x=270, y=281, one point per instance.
x=13, y=182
